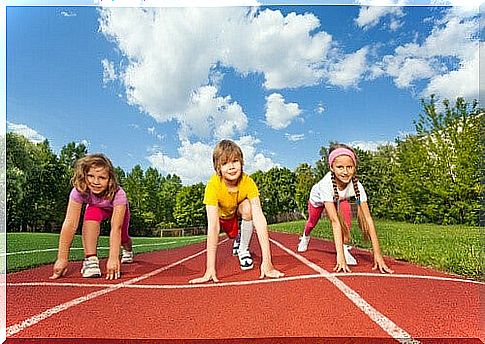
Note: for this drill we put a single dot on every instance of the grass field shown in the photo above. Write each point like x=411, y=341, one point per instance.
x=455, y=249
x=27, y=250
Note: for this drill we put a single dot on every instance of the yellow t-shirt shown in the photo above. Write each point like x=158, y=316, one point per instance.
x=217, y=194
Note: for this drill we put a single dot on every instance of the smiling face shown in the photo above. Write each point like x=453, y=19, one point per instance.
x=344, y=168
x=231, y=171
x=97, y=179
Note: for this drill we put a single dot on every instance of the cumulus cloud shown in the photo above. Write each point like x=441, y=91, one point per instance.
x=209, y=114
x=22, y=129
x=194, y=161
x=370, y=16
x=172, y=56
x=350, y=70
x=453, y=37
x=278, y=113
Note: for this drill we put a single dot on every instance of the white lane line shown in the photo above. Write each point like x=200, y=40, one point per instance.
x=223, y=284
x=80, y=248
x=16, y=328
x=165, y=286
x=380, y=319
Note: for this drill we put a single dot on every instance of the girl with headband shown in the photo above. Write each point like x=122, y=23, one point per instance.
x=333, y=193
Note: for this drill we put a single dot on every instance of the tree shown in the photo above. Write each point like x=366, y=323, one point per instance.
x=189, y=208
x=304, y=180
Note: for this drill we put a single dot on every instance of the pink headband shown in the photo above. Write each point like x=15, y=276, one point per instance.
x=341, y=151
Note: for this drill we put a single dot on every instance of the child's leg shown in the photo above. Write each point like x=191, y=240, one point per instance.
x=91, y=226
x=244, y=209
x=314, y=214
x=90, y=236
x=126, y=241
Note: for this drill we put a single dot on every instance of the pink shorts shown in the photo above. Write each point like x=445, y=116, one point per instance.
x=94, y=213
x=230, y=226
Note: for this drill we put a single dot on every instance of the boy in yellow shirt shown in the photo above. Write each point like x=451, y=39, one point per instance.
x=230, y=193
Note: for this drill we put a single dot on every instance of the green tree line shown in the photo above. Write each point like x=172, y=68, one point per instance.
x=433, y=176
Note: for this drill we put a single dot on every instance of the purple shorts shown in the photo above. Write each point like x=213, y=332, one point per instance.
x=93, y=213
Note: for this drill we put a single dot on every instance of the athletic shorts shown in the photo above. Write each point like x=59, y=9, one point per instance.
x=94, y=213
x=230, y=226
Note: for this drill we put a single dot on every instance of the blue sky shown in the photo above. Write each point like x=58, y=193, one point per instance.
x=160, y=86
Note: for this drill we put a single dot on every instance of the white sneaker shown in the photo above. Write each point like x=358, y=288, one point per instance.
x=91, y=267
x=349, y=259
x=245, y=260
x=304, y=241
x=126, y=256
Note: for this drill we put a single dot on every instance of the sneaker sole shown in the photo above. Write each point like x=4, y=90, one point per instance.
x=246, y=267
x=95, y=275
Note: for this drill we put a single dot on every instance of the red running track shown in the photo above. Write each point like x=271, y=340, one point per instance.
x=153, y=302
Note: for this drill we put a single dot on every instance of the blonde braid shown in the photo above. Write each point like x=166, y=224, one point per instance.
x=336, y=199
x=360, y=217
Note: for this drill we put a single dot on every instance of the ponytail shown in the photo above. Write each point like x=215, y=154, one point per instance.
x=364, y=228
x=336, y=200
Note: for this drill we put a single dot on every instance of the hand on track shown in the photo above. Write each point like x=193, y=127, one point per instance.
x=60, y=269
x=113, y=269
x=208, y=276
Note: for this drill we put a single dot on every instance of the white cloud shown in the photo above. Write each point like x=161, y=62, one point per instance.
x=25, y=131
x=370, y=16
x=68, y=14
x=454, y=37
x=193, y=165
x=209, y=114
x=172, y=53
x=278, y=113
x=194, y=161
x=320, y=108
x=280, y=47
x=370, y=146
x=254, y=161
x=350, y=70
x=109, y=73
x=463, y=82
x=295, y=137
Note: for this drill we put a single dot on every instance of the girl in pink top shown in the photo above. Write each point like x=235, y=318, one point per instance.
x=96, y=185
x=333, y=193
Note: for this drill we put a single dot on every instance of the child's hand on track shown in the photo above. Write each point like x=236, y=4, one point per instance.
x=268, y=270
x=113, y=269
x=341, y=266
x=383, y=268
x=208, y=276
x=60, y=269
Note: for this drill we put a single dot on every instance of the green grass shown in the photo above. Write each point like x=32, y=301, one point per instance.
x=454, y=249
x=20, y=242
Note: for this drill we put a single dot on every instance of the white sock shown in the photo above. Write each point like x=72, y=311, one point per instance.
x=246, y=234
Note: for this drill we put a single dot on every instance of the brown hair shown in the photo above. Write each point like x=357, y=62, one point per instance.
x=225, y=151
x=360, y=216
x=82, y=167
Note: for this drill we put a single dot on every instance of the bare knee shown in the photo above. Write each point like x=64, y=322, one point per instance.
x=244, y=210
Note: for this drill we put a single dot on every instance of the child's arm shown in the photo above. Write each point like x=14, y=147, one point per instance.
x=378, y=260
x=259, y=221
x=213, y=229
x=69, y=226
x=113, y=266
x=337, y=236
